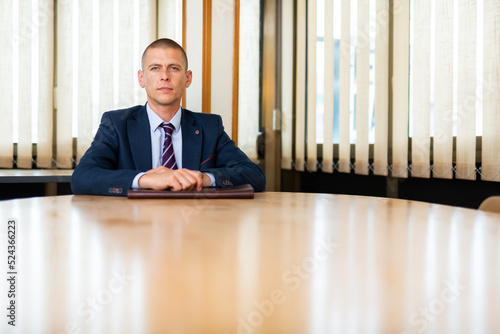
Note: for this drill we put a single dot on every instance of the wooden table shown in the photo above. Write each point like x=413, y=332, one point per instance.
x=281, y=263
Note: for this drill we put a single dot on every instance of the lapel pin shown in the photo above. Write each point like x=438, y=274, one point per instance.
x=197, y=132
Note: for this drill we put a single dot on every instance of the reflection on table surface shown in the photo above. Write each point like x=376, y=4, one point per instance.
x=281, y=263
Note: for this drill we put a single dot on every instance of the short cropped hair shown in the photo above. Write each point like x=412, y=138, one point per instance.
x=165, y=43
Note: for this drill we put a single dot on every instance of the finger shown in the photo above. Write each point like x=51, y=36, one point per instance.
x=187, y=180
x=176, y=181
x=197, y=178
x=175, y=185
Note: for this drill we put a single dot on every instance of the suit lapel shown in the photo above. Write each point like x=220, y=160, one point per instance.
x=139, y=135
x=191, y=141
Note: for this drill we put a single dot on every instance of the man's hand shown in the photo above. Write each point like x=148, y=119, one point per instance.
x=161, y=178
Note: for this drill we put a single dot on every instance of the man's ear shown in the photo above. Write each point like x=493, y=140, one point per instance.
x=189, y=78
x=140, y=77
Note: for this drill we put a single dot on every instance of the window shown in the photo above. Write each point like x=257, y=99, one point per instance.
x=337, y=79
x=63, y=75
x=439, y=107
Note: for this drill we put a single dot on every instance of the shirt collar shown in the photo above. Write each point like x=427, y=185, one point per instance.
x=155, y=120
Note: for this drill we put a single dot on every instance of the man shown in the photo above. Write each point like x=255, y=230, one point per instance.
x=160, y=145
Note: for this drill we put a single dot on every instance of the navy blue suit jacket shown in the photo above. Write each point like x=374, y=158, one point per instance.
x=122, y=148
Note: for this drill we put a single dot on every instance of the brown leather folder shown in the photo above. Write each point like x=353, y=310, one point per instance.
x=243, y=191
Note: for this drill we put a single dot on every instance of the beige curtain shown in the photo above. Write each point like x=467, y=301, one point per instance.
x=466, y=97
x=380, y=161
x=328, y=117
x=400, y=88
x=443, y=105
x=421, y=112
x=287, y=24
x=300, y=91
x=362, y=84
x=6, y=89
x=65, y=80
x=490, y=92
x=438, y=91
x=194, y=50
x=249, y=65
x=222, y=62
x=311, y=85
x=26, y=36
x=99, y=49
x=25, y=53
x=345, y=87
x=98, y=56
x=303, y=136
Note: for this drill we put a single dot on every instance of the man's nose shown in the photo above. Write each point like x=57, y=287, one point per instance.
x=165, y=76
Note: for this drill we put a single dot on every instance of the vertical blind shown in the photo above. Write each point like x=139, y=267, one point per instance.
x=98, y=55
x=421, y=89
x=490, y=89
x=400, y=88
x=67, y=62
x=443, y=106
x=345, y=85
x=249, y=76
x=301, y=105
x=6, y=86
x=466, y=97
x=26, y=36
x=287, y=79
x=444, y=84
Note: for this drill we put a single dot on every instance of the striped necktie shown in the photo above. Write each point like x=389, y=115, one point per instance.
x=168, y=157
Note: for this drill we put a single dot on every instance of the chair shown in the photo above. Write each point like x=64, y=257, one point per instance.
x=491, y=204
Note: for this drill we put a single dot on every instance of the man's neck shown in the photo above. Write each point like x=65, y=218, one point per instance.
x=166, y=113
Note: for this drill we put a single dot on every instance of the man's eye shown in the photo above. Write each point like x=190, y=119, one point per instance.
x=154, y=68
x=174, y=68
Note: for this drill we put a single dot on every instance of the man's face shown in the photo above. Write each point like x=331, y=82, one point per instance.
x=164, y=76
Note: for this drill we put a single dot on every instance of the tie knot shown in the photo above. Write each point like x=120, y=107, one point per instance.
x=168, y=128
